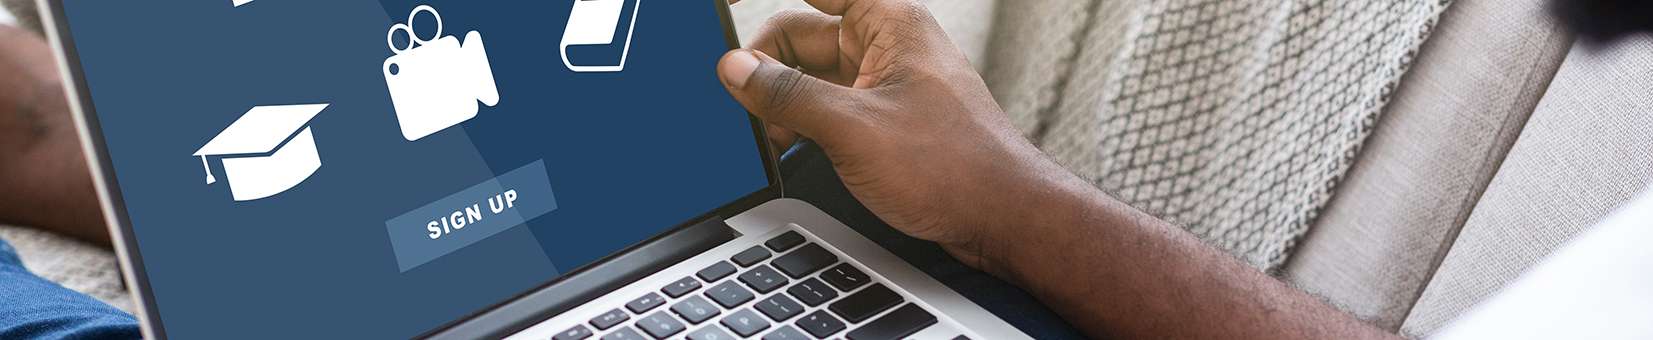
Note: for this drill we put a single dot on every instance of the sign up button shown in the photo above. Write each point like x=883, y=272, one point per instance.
x=470, y=215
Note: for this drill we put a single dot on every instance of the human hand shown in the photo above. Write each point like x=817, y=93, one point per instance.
x=906, y=121
x=916, y=137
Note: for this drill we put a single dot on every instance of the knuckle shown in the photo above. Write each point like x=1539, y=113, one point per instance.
x=904, y=8
x=786, y=19
x=791, y=14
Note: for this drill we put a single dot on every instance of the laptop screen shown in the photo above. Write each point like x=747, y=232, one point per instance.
x=375, y=169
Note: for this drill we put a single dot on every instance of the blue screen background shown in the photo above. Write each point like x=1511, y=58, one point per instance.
x=628, y=154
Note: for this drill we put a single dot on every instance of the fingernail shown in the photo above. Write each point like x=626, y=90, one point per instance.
x=738, y=67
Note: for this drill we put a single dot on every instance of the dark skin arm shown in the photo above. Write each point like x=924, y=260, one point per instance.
x=44, y=181
x=917, y=138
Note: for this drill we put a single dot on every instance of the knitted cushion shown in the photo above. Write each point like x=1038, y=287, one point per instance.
x=1234, y=119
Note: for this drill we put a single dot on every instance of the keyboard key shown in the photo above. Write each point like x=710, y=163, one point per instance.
x=785, y=241
x=845, y=277
x=729, y=294
x=812, y=292
x=805, y=260
x=750, y=256
x=624, y=334
x=786, y=333
x=710, y=333
x=609, y=319
x=645, y=303
x=716, y=272
x=820, y=324
x=695, y=309
x=779, y=307
x=764, y=279
x=660, y=325
x=866, y=303
x=745, y=323
x=576, y=333
x=682, y=286
x=898, y=324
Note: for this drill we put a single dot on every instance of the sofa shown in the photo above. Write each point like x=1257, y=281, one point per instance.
x=1504, y=140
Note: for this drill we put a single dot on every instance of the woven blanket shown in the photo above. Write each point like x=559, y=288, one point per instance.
x=1236, y=118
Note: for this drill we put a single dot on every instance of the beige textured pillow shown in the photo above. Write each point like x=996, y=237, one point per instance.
x=27, y=16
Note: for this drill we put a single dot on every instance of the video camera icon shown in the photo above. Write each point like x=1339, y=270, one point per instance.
x=436, y=83
x=593, y=22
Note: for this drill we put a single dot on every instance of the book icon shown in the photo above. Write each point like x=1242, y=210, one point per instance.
x=265, y=152
x=594, y=22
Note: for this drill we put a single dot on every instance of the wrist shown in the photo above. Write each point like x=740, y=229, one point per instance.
x=1030, y=209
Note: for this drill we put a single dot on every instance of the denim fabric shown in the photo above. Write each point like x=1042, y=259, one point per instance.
x=34, y=308
x=809, y=176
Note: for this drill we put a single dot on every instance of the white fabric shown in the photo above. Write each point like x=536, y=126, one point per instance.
x=21, y=13
x=1236, y=119
x=6, y=18
x=1033, y=53
x=1585, y=151
x=1453, y=119
x=1594, y=288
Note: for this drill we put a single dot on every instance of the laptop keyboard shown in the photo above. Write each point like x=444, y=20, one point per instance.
x=786, y=289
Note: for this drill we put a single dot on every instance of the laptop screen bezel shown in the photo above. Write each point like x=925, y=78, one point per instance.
x=131, y=257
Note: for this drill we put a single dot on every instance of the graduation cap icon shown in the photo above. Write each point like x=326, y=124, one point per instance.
x=266, y=151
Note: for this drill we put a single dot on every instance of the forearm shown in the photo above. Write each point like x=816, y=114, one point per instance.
x=1115, y=271
x=44, y=180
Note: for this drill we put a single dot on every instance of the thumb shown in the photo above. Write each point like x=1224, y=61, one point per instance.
x=784, y=96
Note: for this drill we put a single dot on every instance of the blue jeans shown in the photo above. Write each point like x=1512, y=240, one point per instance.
x=34, y=308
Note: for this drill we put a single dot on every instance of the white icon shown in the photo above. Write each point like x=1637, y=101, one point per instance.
x=266, y=151
x=435, y=84
x=593, y=22
x=238, y=3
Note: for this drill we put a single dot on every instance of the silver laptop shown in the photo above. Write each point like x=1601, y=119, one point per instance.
x=566, y=169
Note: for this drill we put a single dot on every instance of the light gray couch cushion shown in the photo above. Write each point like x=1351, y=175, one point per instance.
x=1434, y=149
x=1586, y=150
